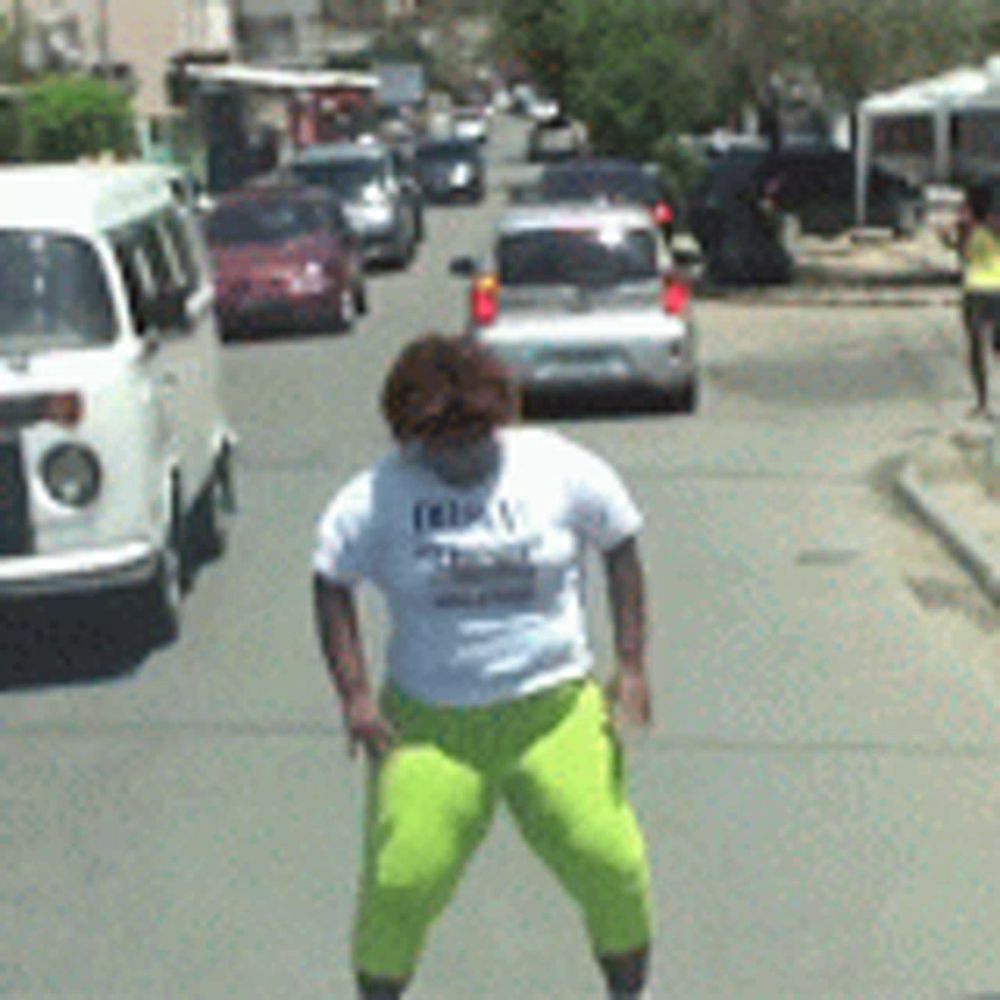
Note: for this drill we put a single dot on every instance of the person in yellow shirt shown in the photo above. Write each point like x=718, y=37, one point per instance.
x=978, y=241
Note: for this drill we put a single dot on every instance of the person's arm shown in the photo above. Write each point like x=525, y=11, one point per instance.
x=629, y=688
x=340, y=641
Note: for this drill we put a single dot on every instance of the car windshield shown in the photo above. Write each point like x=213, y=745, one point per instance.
x=592, y=256
x=446, y=152
x=350, y=179
x=53, y=292
x=262, y=221
x=583, y=185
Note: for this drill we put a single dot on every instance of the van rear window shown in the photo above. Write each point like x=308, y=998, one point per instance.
x=52, y=291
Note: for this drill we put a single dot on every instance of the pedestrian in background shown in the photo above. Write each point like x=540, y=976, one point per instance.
x=976, y=237
x=475, y=531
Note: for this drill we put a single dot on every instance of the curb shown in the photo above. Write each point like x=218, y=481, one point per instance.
x=827, y=298
x=967, y=547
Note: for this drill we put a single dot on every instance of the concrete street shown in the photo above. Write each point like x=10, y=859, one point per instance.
x=820, y=790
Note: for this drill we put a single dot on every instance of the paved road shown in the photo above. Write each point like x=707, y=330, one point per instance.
x=820, y=791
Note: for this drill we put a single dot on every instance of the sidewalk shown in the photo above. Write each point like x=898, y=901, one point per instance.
x=952, y=482
x=861, y=268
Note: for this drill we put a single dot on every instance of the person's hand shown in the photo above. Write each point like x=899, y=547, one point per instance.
x=366, y=727
x=631, y=703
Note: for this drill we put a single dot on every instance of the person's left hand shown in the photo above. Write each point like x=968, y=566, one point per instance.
x=631, y=703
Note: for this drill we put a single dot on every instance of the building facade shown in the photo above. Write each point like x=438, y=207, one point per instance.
x=125, y=39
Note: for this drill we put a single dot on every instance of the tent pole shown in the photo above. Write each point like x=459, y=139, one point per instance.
x=862, y=166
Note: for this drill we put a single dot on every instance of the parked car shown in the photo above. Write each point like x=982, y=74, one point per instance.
x=382, y=204
x=470, y=123
x=450, y=170
x=739, y=229
x=284, y=256
x=815, y=185
x=116, y=461
x=558, y=138
x=613, y=180
x=583, y=297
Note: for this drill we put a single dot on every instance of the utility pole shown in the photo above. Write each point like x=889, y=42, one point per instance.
x=103, y=40
x=17, y=46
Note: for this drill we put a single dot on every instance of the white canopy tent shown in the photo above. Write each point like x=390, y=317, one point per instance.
x=913, y=129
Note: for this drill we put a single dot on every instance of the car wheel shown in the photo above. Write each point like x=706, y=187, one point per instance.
x=160, y=600
x=685, y=399
x=361, y=298
x=346, y=313
x=209, y=530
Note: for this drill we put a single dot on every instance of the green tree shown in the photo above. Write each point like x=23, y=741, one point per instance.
x=69, y=117
x=632, y=78
x=9, y=64
x=857, y=46
x=625, y=67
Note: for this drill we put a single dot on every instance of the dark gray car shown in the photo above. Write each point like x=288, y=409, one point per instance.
x=451, y=170
x=380, y=202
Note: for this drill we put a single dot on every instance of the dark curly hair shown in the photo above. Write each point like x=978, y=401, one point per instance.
x=440, y=384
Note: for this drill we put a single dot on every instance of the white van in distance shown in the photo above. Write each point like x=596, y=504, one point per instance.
x=116, y=462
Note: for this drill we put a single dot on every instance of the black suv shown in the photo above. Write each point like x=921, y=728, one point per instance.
x=815, y=185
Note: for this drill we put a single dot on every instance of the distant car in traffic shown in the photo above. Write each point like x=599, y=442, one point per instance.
x=613, y=180
x=451, y=170
x=584, y=298
x=381, y=202
x=556, y=138
x=815, y=185
x=470, y=123
x=284, y=256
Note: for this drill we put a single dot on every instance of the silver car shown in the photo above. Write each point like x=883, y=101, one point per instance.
x=582, y=297
x=381, y=204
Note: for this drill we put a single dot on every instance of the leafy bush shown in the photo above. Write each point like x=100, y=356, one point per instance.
x=680, y=166
x=69, y=117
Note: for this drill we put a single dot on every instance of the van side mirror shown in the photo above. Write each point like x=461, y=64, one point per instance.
x=463, y=267
x=168, y=311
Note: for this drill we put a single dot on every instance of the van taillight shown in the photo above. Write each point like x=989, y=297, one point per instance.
x=485, y=300
x=663, y=213
x=676, y=297
x=63, y=408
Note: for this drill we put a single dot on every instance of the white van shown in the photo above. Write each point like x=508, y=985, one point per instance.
x=116, y=462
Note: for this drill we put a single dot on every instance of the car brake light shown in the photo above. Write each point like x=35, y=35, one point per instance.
x=663, y=213
x=485, y=300
x=676, y=297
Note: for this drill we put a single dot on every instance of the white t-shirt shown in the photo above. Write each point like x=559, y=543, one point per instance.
x=484, y=583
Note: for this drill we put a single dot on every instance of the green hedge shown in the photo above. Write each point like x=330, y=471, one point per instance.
x=66, y=118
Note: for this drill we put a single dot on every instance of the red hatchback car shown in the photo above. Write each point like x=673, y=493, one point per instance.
x=284, y=256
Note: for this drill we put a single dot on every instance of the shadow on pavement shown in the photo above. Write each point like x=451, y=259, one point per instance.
x=61, y=642
x=592, y=405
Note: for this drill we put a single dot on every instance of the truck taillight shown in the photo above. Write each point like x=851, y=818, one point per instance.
x=676, y=297
x=485, y=300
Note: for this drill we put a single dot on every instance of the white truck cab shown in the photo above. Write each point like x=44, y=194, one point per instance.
x=116, y=461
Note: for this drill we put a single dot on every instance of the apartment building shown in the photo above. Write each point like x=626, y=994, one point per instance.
x=133, y=40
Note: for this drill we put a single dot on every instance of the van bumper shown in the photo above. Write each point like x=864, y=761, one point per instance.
x=78, y=572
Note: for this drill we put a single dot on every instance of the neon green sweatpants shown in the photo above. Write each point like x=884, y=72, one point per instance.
x=554, y=759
